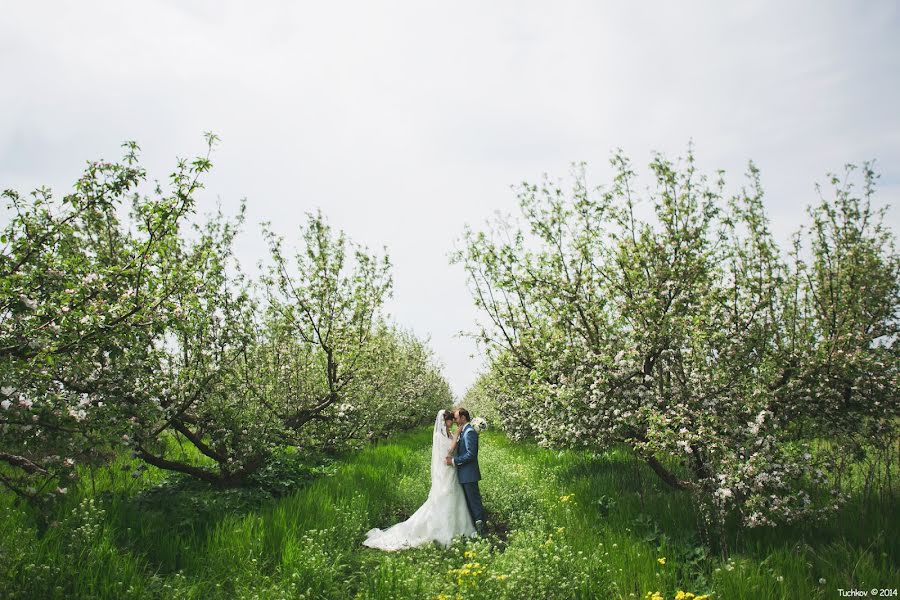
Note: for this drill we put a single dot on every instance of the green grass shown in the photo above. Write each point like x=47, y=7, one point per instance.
x=569, y=525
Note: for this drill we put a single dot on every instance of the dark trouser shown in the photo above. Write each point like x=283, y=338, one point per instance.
x=473, y=500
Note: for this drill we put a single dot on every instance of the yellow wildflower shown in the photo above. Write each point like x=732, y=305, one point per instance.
x=661, y=560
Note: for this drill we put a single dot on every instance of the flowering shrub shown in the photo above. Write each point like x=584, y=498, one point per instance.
x=692, y=338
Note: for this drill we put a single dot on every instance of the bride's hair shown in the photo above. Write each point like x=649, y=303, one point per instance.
x=448, y=415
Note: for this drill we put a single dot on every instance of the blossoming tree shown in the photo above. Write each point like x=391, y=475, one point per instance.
x=687, y=335
x=135, y=336
x=82, y=298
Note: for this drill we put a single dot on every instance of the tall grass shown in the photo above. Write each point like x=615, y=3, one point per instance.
x=565, y=525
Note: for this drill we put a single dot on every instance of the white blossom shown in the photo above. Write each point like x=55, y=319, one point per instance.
x=30, y=303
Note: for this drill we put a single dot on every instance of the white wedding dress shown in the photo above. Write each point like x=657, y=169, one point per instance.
x=444, y=514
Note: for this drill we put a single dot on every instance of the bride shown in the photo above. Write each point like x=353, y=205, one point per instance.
x=444, y=514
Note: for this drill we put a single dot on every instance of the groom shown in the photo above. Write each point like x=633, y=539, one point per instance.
x=466, y=462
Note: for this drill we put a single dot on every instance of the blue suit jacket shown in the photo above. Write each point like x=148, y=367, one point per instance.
x=466, y=459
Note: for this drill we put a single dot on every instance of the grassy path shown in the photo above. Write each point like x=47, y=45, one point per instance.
x=572, y=525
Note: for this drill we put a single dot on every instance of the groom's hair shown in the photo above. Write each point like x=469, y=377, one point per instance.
x=463, y=412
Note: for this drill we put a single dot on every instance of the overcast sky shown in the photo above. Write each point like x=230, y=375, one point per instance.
x=403, y=121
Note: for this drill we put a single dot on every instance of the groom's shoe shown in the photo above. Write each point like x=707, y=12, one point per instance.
x=479, y=527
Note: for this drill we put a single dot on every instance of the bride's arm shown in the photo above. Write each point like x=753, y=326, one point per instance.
x=453, y=444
